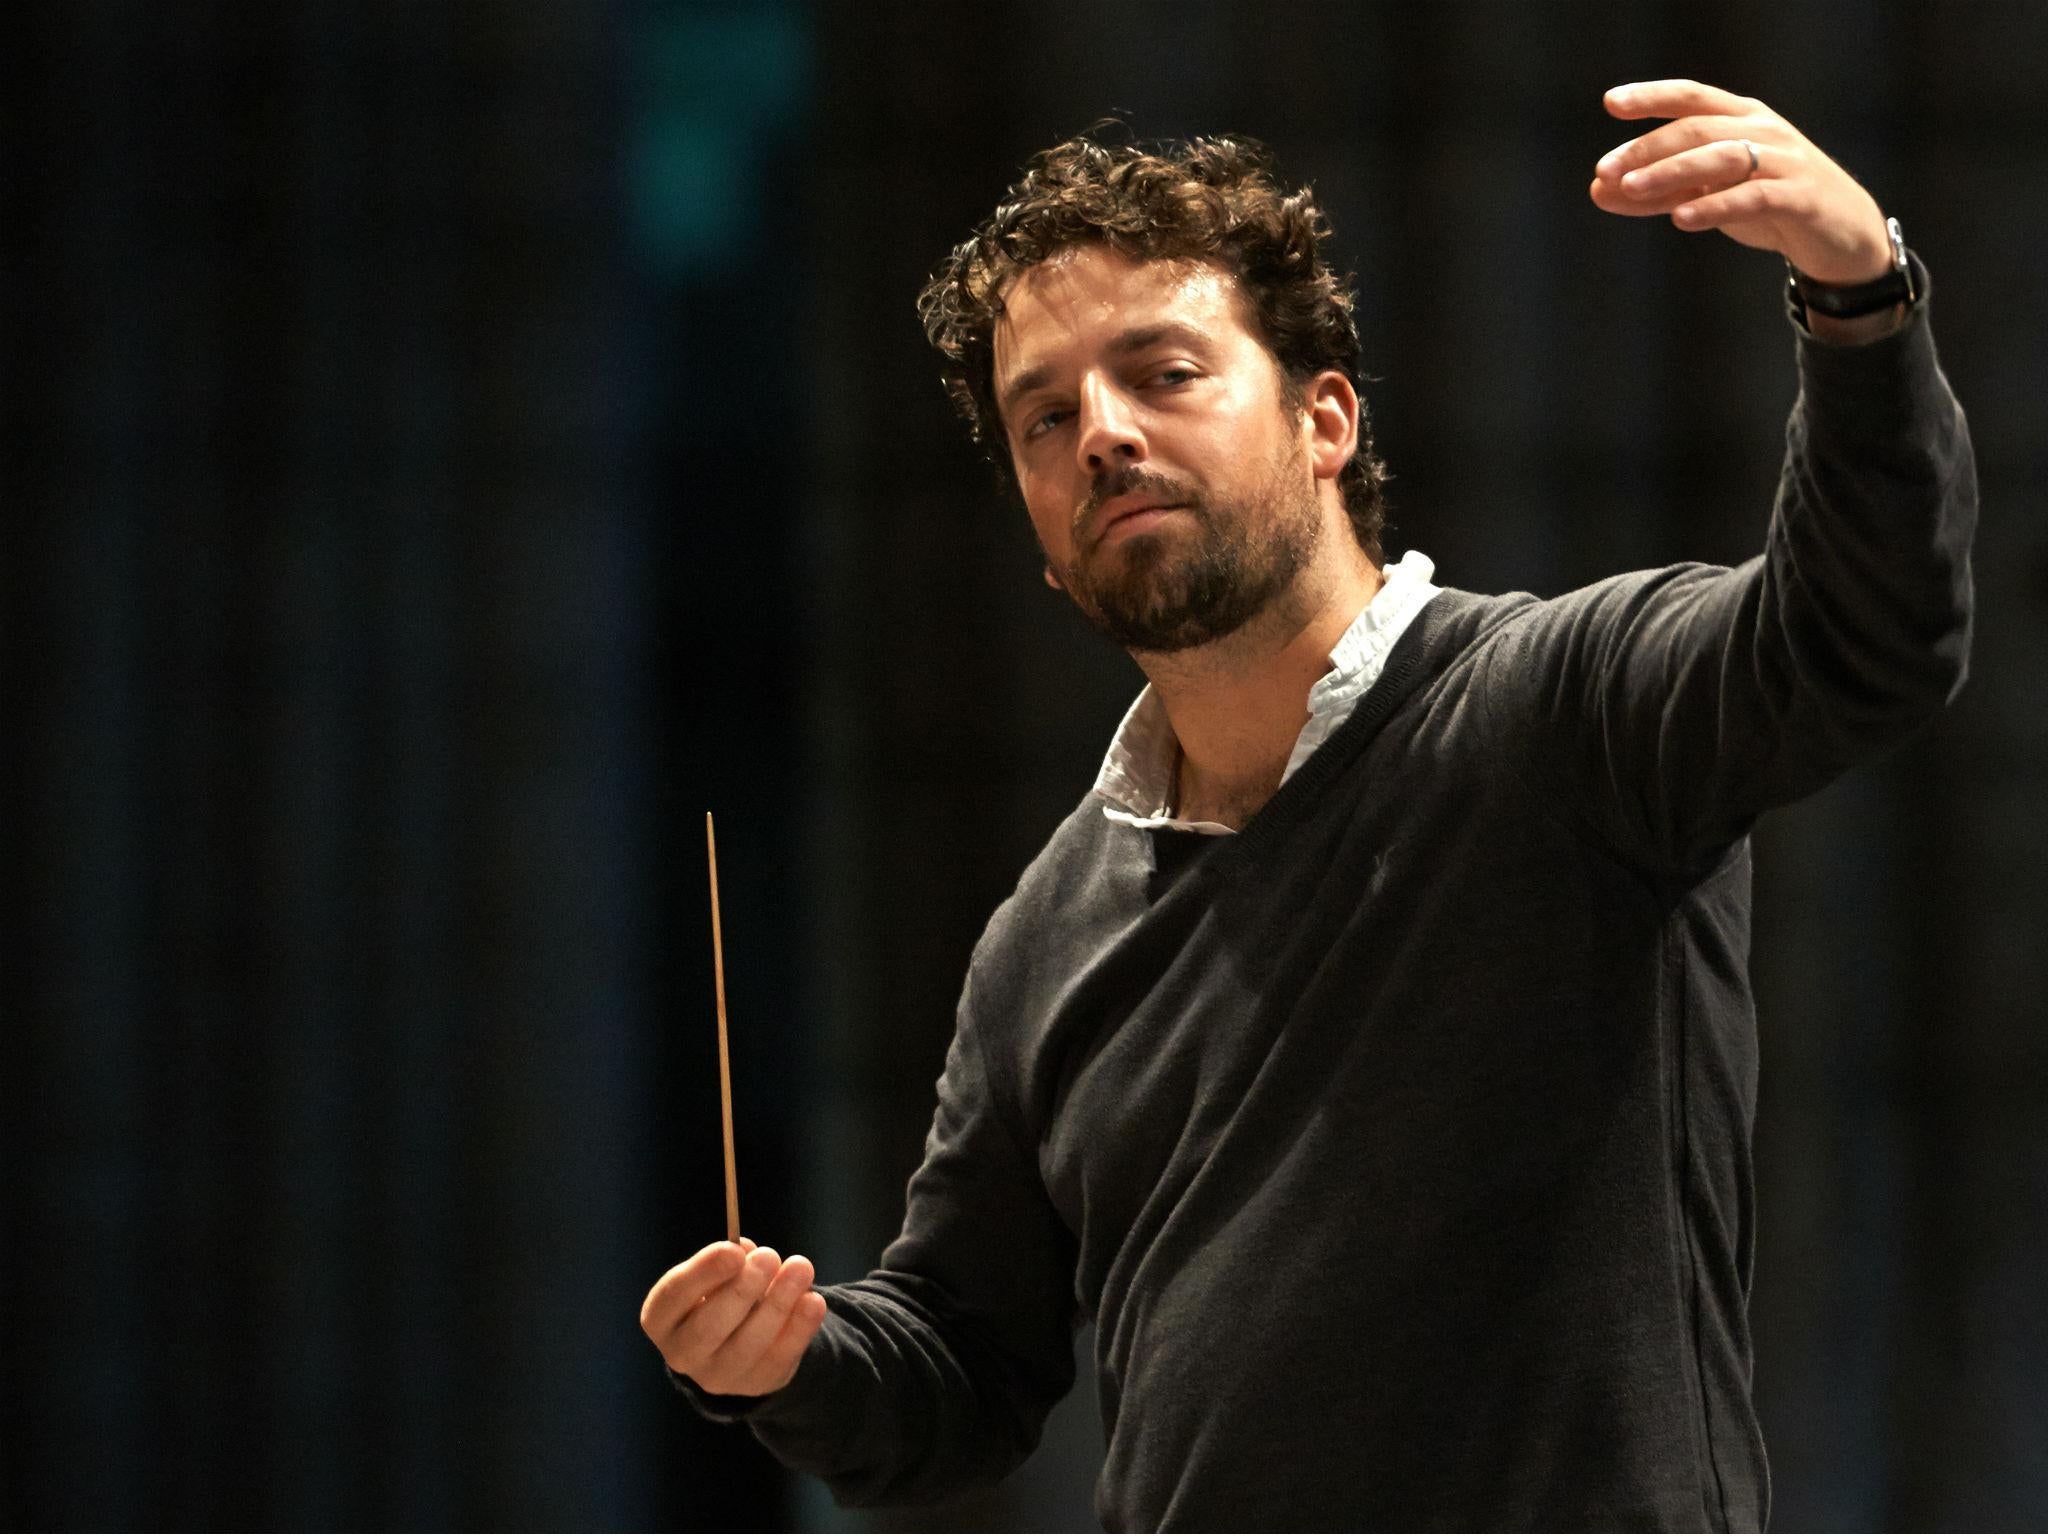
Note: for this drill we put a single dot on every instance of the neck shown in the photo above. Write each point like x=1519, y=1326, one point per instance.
x=1238, y=704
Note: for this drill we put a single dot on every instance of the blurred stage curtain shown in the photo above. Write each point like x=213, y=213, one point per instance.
x=341, y=571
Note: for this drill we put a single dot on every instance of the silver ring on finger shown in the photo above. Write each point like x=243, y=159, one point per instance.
x=1751, y=147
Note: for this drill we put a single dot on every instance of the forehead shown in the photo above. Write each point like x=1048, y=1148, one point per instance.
x=1089, y=293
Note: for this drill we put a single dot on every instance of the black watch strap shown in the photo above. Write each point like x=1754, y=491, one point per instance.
x=1896, y=286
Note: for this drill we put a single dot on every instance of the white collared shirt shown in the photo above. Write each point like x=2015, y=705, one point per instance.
x=1137, y=777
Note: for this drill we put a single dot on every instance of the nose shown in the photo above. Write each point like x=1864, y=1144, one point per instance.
x=1109, y=433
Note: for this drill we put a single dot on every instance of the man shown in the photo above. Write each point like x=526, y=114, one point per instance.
x=1371, y=1053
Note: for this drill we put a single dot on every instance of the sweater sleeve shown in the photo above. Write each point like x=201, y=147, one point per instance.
x=935, y=1373
x=1670, y=708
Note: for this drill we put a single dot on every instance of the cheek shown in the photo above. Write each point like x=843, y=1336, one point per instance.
x=1055, y=534
x=1052, y=515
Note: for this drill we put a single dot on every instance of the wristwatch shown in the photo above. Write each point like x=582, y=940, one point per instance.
x=1840, y=302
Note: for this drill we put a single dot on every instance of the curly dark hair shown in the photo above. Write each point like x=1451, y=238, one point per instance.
x=1215, y=200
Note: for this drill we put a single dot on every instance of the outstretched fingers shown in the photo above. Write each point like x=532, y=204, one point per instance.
x=1660, y=144
x=1747, y=203
x=1721, y=163
x=1675, y=98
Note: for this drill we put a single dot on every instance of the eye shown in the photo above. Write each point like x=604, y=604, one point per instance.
x=1045, y=421
x=1174, y=375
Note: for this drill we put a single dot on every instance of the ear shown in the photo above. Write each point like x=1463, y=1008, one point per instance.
x=1051, y=579
x=1332, y=423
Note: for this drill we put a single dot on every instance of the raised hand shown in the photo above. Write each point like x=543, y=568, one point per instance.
x=1697, y=168
x=734, y=1318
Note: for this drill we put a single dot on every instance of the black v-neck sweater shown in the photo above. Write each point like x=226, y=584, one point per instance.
x=1399, y=1146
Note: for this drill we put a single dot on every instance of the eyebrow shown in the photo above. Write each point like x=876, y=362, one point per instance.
x=1136, y=339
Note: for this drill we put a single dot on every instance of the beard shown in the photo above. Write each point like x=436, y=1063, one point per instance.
x=1176, y=587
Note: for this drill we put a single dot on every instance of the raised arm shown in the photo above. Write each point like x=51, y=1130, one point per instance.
x=1672, y=707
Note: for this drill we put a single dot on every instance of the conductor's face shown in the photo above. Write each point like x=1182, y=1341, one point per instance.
x=1169, y=476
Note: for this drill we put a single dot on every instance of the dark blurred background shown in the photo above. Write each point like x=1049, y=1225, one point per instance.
x=447, y=448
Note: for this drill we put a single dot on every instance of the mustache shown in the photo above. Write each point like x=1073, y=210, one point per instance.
x=1124, y=481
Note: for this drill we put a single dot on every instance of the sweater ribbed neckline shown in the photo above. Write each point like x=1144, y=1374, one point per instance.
x=1407, y=665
